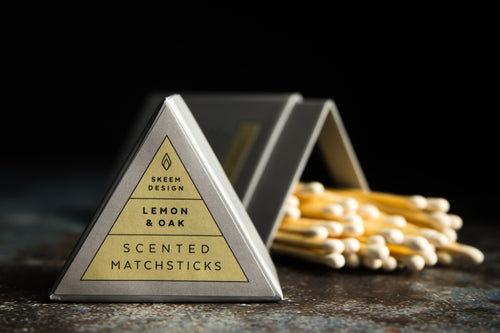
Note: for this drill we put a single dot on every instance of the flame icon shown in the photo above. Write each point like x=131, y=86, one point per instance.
x=166, y=162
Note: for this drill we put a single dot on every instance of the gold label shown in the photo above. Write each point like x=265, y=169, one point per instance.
x=165, y=232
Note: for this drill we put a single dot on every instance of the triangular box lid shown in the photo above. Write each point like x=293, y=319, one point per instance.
x=171, y=227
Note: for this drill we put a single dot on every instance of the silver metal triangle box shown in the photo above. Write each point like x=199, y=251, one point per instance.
x=171, y=227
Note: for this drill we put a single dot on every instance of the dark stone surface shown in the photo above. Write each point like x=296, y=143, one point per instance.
x=42, y=217
x=33, y=248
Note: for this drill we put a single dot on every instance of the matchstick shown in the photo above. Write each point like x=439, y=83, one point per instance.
x=375, y=251
x=309, y=190
x=395, y=220
x=416, y=243
x=438, y=205
x=389, y=264
x=353, y=229
x=334, y=228
x=318, y=232
x=444, y=258
x=391, y=235
x=456, y=221
x=450, y=234
x=321, y=210
x=372, y=263
x=409, y=258
x=414, y=260
x=315, y=192
x=395, y=233
x=352, y=260
x=416, y=202
x=374, y=239
x=334, y=260
x=430, y=257
x=351, y=245
x=369, y=212
x=292, y=201
x=467, y=253
x=329, y=245
x=436, y=220
x=433, y=236
x=413, y=202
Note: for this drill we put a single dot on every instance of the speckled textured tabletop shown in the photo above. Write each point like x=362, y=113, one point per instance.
x=35, y=242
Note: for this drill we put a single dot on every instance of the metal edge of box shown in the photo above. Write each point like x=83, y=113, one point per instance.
x=286, y=165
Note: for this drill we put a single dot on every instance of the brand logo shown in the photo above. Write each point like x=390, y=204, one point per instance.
x=166, y=162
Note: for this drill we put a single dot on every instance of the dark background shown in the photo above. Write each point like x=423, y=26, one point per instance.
x=414, y=84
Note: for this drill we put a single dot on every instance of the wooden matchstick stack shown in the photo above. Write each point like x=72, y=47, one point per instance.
x=376, y=230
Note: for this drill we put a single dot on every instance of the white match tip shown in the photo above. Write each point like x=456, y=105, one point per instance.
x=430, y=257
x=312, y=189
x=335, y=260
x=292, y=212
x=372, y=263
x=317, y=231
x=351, y=245
x=434, y=237
x=414, y=262
x=438, y=205
x=332, y=245
x=396, y=220
x=440, y=220
x=450, y=234
x=392, y=236
x=369, y=212
x=472, y=253
x=417, y=202
x=456, y=221
x=333, y=211
x=352, y=218
x=375, y=239
x=352, y=260
x=353, y=229
x=334, y=228
x=389, y=264
x=349, y=204
x=416, y=243
x=292, y=201
x=444, y=258
x=377, y=251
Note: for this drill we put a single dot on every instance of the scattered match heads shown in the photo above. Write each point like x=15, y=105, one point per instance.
x=376, y=230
